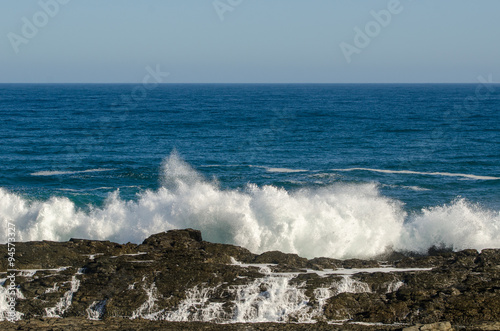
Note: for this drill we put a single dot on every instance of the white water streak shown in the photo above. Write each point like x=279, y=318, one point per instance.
x=196, y=307
x=148, y=310
x=60, y=308
x=56, y=173
x=410, y=172
x=96, y=310
x=272, y=298
x=394, y=286
x=349, y=285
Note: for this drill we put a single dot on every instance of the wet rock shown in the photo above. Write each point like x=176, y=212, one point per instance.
x=488, y=259
x=440, y=326
x=291, y=260
x=177, y=276
x=171, y=238
x=321, y=263
x=487, y=326
x=356, y=263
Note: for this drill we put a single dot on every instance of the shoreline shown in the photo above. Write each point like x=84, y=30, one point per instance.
x=175, y=277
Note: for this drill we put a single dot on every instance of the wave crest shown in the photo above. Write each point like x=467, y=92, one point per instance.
x=459, y=225
x=341, y=221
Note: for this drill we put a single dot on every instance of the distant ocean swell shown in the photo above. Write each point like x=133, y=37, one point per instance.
x=341, y=221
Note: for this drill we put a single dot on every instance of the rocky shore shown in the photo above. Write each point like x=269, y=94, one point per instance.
x=176, y=280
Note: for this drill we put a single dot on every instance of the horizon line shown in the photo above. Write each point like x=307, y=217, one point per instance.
x=237, y=83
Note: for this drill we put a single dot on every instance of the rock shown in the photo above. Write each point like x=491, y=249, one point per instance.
x=357, y=263
x=171, y=238
x=440, y=326
x=291, y=260
x=412, y=328
x=488, y=326
x=321, y=263
x=177, y=276
x=489, y=259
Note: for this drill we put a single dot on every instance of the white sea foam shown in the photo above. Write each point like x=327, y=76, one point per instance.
x=273, y=298
x=459, y=225
x=349, y=285
x=65, y=302
x=410, y=172
x=266, y=267
x=277, y=303
x=284, y=170
x=96, y=189
x=96, y=310
x=268, y=169
x=394, y=286
x=411, y=188
x=56, y=173
x=415, y=188
x=148, y=309
x=268, y=299
x=53, y=289
x=196, y=307
x=339, y=221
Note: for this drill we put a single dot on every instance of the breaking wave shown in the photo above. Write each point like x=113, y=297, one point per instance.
x=340, y=221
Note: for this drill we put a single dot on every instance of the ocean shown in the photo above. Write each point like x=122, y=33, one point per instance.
x=342, y=171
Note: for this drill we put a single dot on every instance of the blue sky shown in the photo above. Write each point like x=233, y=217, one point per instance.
x=258, y=41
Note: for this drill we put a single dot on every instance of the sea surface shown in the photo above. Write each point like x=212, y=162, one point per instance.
x=320, y=170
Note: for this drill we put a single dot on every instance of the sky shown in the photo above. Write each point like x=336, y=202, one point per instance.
x=249, y=41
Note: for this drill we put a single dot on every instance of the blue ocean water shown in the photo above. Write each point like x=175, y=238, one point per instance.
x=319, y=170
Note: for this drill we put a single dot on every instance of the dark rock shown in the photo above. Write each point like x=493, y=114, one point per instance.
x=489, y=258
x=320, y=263
x=291, y=260
x=171, y=238
x=357, y=263
x=176, y=272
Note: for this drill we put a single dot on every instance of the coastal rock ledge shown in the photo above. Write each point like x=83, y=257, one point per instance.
x=175, y=280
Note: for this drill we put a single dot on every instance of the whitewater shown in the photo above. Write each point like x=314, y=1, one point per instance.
x=343, y=220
